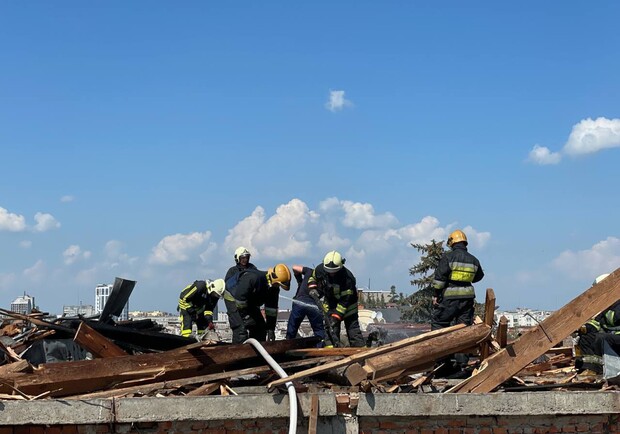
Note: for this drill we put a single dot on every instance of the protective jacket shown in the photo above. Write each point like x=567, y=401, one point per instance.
x=238, y=267
x=252, y=291
x=195, y=300
x=302, y=284
x=339, y=289
x=455, y=273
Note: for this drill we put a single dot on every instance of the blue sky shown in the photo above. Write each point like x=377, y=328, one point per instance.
x=148, y=140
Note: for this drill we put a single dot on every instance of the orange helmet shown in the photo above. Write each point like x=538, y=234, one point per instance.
x=458, y=236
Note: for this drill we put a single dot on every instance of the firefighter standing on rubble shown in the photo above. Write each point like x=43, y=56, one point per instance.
x=196, y=304
x=252, y=289
x=603, y=329
x=242, y=262
x=453, y=292
x=333, y=282
x=304, y=306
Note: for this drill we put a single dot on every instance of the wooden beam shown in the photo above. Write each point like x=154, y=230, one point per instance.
x=502, y=332
x=539, y=339
x=365, y=355
x=314, y=414
x=322, y=352
x=489, y=313
x=96, y=343
x=83, y=376
x=422, y=353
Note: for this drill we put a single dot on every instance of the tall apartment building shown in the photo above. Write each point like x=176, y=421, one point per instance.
x=23, y=304
x=102, y=293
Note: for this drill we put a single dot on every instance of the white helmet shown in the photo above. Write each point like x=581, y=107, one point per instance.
x=333, y=261
x=216, y=287
x=241, y=251
x=600, y=278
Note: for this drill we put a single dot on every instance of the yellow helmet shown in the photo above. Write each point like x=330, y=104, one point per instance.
x=281, y=275
x=241, y=251
x=333, y=261
x=216, y=287
x=458, y=236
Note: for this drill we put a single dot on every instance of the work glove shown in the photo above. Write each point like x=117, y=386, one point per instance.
x=271, y=335
x=315, y=295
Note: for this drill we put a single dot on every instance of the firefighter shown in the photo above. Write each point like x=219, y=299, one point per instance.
x=333, y=282
x=242, y=262
x=304, y=306
x=603, y=328
x=251, y=290
x=196, y=304
x=453, y=293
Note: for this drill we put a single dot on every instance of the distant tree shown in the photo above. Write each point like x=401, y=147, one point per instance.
x=382, y=303
x=394, y=297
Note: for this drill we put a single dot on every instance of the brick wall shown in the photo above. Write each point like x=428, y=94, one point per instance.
x=592, y=424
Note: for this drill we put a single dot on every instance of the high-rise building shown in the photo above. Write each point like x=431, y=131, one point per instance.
x=102, y=293
x=23, y=304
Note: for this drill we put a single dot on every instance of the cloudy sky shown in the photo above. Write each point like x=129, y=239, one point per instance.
x=148, y=140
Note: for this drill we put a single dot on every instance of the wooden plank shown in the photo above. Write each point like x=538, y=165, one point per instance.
x=145, y=389
x=539, y=339
x=205, y=389
x=77, y=377
x=322, y=352
x=365, y=354
x=97, y=344
x=422, y=353
x=502, y=332
x=314, y=414
x=489, y=314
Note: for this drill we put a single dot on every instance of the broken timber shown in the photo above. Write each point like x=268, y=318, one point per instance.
x=419, y=354
x=537, y=341
x=97, y=344
x=71, y=378
x=363, y=355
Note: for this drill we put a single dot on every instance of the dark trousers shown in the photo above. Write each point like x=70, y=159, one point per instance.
x=298, y=313
x=187, y=319
x=591, y=348
x=354, y=333
x=449, y=312
x=249, y=325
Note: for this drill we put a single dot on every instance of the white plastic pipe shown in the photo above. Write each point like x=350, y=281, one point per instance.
x=292, y=394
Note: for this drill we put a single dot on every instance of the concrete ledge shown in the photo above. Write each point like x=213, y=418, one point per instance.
x=266, y=406
x=497, y=404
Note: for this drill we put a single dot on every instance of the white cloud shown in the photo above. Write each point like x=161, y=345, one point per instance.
x=11, y=222
x=67, y=198
x=337, y=101
x=543, y=156
x=587, y=137
x=331, y=241
x=74, y=253
x=25, y=244
x=37, y=273
x=602, y=257
x=358, y=215
x=45, y=222
x=177, y=248
x=282, y=235
x=7, y=281
x=476, y=238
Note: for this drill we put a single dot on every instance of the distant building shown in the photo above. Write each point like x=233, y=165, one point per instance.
x=523, y=317
x=23, y=304
x=82, y=309
x=365, y=295
x=102, y=293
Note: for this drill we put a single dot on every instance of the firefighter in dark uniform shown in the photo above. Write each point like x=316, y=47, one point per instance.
x=333, y=282
x=603, y=329
x=304, y=306
x=453, y=292
x=253, y=289
x=242, y=262
x=196, y=304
